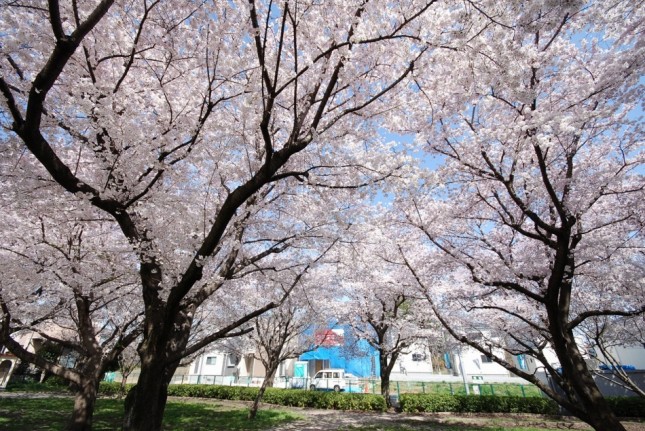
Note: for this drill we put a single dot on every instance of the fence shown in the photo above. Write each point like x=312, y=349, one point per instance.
x=372, y=386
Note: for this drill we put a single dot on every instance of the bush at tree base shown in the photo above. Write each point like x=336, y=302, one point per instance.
x=284, y=397
x=627, y=406
x=410, y=403
x=417, y=403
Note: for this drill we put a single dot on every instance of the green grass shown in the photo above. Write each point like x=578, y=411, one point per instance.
x=52, y=414
x=446, y=388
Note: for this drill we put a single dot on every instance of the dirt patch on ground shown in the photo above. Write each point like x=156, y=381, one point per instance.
x=334, y=420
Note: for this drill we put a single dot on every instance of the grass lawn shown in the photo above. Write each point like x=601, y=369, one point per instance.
x=52, y=414
x=407, y=387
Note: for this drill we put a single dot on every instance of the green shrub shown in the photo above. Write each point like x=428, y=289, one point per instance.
x=545, y=406
x=213, y=391
x=284, y=397
x=111, y=389
x=49, y=385
x=627, y=406
x=414, y=403
x=475, y=404
x=495, y=404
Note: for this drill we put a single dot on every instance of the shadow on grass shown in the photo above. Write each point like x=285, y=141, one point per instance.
x=191, y=416
x=35, y=414
x=52, y=414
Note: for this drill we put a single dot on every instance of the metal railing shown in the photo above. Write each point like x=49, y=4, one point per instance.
x=371, y=385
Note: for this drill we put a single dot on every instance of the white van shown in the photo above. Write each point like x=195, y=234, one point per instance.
x=329, y=379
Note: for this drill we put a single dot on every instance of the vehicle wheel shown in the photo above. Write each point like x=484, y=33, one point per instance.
x=312, y=387
x=336, y=388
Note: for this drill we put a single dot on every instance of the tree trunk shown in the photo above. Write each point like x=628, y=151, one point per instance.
x=124, y=381
x=598, y=414
x=84, y=402
x=253, y=412
x=146, y=402
x=266, y=383
x=582, y=388
x=164, y=338
x=385, y=379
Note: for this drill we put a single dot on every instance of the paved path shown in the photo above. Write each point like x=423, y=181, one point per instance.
x=335, y=420
x=319, y=420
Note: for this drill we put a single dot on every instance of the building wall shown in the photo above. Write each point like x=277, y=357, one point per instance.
x=414, y=364
x=474, y=364
x=533, y=364
x=625, y=355
x=416, y=360
x=629, y=355
x=611, y=386
x=7, y=364
x=251, y=367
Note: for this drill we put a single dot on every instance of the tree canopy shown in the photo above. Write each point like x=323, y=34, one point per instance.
x=202, y=157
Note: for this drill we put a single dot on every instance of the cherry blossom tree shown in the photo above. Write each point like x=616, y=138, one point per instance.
x=128, y=361
x=284, y=333
x=65, y=281
x=195, y=128
x=379, y=299
x=535, y=223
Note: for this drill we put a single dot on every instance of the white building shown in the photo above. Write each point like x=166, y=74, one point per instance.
x=33, y=342
x=226, y=368
x=417, y=363
x=420, y=363
x=413, y=364
x=215, y=367
x=633, y=356
x=477, y=367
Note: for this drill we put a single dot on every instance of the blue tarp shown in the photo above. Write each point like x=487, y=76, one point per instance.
x=356, y=356
x=521, y=361
x=624, y=367
x=446, y=360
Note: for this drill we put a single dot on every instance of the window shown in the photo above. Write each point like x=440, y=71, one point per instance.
x=418, y=357
x=336, y=375
x=486, y=359
x=232, y=361
x=211, y=360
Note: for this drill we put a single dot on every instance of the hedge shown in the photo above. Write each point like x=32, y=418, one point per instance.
x=626, y=407
x=412, y=403
x=110, y=389
x=476, y=404
x=284, y=397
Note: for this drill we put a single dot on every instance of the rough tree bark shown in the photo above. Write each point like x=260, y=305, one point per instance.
x=266, y=383
x=169, y=304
